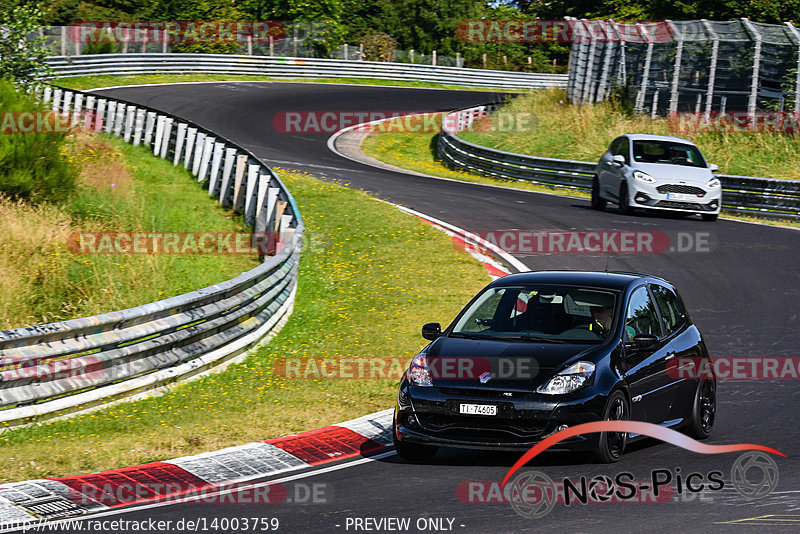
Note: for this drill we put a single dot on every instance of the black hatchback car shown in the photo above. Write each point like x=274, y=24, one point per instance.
x=535, y=353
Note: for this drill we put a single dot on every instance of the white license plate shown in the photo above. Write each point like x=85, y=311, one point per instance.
x=477, y=409
x=681, y=196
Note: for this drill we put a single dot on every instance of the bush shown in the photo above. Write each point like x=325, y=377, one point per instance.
x=33, y=166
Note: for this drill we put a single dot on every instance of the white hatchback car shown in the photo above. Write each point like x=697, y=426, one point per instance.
x=656, y=172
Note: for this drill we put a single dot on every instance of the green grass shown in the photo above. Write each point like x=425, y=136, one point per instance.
x=417, y=152
x=566, y=131
x=92, y=82
x=121, y=188
x=372, y=278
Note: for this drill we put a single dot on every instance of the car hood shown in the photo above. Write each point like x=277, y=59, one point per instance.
x=675, y=173
x=513, y=365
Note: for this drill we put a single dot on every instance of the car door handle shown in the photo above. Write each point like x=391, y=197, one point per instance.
x=670, y=355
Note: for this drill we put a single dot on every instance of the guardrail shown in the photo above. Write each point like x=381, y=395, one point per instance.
x=743, y=195
x=281, y=67
x=58, y=368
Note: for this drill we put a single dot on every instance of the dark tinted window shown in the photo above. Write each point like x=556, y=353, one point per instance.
x=670, y=308
x=615, y=145
x=641, y=317
x=623, y=148
x=668, y=152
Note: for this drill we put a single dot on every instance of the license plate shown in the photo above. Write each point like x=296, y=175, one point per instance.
x=477, y=409
x=681, y=196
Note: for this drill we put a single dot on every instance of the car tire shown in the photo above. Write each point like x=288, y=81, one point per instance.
x=416, y=452
x=710, y=217
x=612, y=444
x=624, y=201
x=704, y=410
x=598, y=203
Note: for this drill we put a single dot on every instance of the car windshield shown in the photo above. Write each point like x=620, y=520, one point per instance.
x=668, y=152
x=557, y=314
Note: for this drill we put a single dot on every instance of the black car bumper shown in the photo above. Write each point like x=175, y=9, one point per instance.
x=430, y=415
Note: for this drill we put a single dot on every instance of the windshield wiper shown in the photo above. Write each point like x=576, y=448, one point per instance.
x=466, y=335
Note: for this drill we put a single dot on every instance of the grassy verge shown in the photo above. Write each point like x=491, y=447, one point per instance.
x=584, y=132
x=373, y=277
x=417, y=152
x=91, y=82
x=121, y=188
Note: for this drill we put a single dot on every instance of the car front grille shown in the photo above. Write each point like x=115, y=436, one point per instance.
x=480, y=427
x=482, y=392
x=681, y=205
x=680, y=188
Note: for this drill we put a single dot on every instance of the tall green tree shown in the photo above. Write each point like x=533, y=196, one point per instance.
x=21, y=53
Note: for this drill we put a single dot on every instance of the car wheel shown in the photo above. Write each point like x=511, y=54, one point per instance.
x=624, y=201
x=710, y=216
x=598, y=203
x=704, y=410
x=612, y=444
x=413, y=451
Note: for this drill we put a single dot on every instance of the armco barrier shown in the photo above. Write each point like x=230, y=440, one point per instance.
x=281, y=67
x=58, y=368
x=743, y=195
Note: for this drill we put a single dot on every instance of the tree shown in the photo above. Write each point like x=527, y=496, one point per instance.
x=21, y=57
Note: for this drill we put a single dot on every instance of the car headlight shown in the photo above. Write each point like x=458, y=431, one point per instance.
x=418, y=374
x=643, y=177
x=568, y=380
x=713, y=183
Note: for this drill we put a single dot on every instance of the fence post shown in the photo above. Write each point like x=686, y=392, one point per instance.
x=588, y=83
x=180, y=140
x=199, y=141
x=346, y=54
x=639, y=105
x=238, y=192
x=458, y=59
x=676, y=71
x=138, y=127
x=271, y=46
x=130, y=114
x=215, y=163
x=166, y=137
x=712, y=73
x=249, y=199
x=191, y=134
x=433, y=58
x=752, y=101
x=230, y=158
x=159, y=134
x=411, y=55
x=164, y=41
x=249, y=45
x=797, y=79
x=148, y=128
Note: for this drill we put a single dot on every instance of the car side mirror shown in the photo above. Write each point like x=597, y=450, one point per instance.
x=431, y=331
x=644, y=341
x=619, y=158
x=713, y=167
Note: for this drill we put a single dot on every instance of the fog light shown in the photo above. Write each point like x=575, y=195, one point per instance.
x=411, y=421
x=713, y=204
x=641, y=197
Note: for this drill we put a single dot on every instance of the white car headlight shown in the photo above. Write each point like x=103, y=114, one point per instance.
x=418, y=374
x=713, y=183
x=568, y=380
x=643, y=177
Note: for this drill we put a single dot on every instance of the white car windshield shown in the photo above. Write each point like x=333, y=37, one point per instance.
x=669, y=152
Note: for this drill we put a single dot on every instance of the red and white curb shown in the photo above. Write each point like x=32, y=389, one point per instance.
x=55, y=498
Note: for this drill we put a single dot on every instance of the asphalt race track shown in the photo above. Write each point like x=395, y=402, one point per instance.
x=742, y=293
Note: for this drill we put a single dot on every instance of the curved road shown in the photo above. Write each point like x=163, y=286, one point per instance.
x=743, y=294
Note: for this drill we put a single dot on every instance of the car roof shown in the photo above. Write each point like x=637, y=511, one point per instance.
x=649, y=137
x=617, y=280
